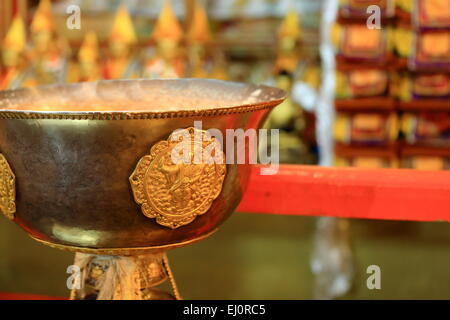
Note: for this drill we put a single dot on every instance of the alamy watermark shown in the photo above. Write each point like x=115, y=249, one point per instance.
x=74, y=280
x=374, y=280
x=73, y=22
x=241, y=147
x=374, y=20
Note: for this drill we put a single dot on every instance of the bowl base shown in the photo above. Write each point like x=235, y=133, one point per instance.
x=123, y=251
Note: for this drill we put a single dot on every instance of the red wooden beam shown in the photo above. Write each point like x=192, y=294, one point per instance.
x=390, y=194
x=14, y=7
x=26, y=296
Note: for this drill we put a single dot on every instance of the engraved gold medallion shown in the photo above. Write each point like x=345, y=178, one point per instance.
x=180, y=178
x=7, y=189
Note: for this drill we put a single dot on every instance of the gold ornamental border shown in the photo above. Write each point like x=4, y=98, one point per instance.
x=123, y=251
x=138, y=115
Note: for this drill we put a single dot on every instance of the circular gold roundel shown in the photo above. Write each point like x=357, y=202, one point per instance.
x=180, y=178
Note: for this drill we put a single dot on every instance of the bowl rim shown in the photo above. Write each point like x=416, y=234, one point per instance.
x=7, y=113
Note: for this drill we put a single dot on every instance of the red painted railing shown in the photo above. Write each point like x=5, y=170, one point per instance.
x=392, y=194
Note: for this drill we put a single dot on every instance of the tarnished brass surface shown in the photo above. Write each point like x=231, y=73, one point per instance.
x=72, y=165
x=7, y=189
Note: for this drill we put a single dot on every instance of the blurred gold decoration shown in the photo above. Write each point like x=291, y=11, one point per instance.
x=428, y=163
x=7, y=189
x=434, y=47
x=43, y=19
x=49, y=50
x=168, y=61
x=122, y=29
x=432, y=85
x=394, y=126
x=13, y=56
x=199, y=31
x=359, y=41
x=287, y=62
x=198, y=37
x=405, y=5
x=403, y=41
x=219, y=72
x=42, y=28
x=368, y=162
x=238, y=6
x=16, y=38
x=89, y=49
x=433, y=13
x=289, y=116
x=365, y=128
x=336, y=35
x=289, y=35
x=290, y=27
x=167, y=26
x=341, y=130
x=426, y=128
x=407, y=123
x=286, y=112
x=361, y=83
x=219, y=69
x=88, y=68
x=311, y=76
x=404, y=89
x=120, y=63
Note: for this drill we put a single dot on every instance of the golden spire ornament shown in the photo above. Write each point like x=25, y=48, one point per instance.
x=42, y=29
x=15, y=39
x=121, y=64
x=168, y=61
x=219, y=68
x=199, y=31
x=197, y=38
x=89, y=48
x=122, y=29
x=88, y=59
x=43, y=18
x=290, y=27
x=167, y=26
x=289, y=36
x=13, y=48
x=49, y=50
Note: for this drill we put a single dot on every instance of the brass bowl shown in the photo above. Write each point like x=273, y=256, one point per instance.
x=70, y=150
